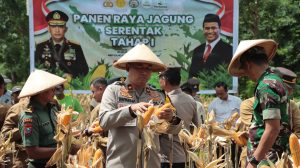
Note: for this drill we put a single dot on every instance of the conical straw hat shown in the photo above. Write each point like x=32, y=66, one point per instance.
x=39, y=81
x=269, y=45
x=140, y=54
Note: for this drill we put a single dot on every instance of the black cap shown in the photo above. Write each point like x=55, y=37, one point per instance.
x=57, y=18
x=288, y=76
x=212, y=18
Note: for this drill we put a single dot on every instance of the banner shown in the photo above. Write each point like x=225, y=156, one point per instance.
x=99, y=32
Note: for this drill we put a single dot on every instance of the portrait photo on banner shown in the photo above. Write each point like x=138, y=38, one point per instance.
x=80, y=41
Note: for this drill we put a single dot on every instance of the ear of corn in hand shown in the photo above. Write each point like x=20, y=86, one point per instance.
x=295, y=149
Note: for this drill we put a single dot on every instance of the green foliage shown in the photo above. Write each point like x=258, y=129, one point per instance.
x=209, y=78
x=14, y=40
x=278, y=20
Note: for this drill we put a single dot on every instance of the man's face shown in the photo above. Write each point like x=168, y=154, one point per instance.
x=14, y=97
x=57, y=32
x=162, y=82
x=211, y=31
x=221, y=93
x=97, y=92
x=139, y=73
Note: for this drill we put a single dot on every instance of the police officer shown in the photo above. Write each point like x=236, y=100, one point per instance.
x=119, y=106
x=37, y=123
x=58, y=52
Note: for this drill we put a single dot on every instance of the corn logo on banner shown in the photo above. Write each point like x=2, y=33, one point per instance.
x=80, y=40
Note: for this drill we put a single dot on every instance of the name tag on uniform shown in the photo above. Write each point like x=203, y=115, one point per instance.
x=131, y=123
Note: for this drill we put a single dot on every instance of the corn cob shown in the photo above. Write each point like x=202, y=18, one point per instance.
x=231, y=121
x=202, y=132
x=98, y=154
x=97, y=129
x=240, y=140
x=65, y=117
x=165, y=106
x=295, y=149
x=147, y=115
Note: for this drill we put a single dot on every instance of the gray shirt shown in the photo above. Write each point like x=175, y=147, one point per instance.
x=122, y=128
x=186, y=109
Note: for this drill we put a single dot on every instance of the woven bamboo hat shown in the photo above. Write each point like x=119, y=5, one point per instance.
x=140, y=54
x=269, y=46
x=39, y=81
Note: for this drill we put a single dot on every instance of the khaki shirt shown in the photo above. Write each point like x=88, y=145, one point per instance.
x=186, y=109
x=122, y=128
x=12, y=120
x=3, y=111
x=295, y=115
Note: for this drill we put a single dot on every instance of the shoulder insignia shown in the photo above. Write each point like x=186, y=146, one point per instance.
x=118, y=83
x=27, y=123
x=125, y=92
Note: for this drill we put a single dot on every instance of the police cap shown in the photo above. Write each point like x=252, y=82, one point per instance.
x=288, y=76
x=57, y=18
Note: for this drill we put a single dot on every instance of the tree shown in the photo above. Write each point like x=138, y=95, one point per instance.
x=274, y=19
x=14, y=40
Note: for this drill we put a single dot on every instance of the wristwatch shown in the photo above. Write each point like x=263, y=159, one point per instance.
x=253, y=160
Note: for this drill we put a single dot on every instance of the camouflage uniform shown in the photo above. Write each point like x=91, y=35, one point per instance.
x=270, y=103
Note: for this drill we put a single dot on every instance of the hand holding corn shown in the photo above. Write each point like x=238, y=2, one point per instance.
x=141, y=107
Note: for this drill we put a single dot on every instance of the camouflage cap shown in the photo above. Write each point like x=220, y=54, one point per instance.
x=57, y=18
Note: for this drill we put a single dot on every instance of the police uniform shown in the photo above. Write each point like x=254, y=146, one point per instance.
x=11, y=126
x=66, y=56
x=116, y=118
x=186, y=110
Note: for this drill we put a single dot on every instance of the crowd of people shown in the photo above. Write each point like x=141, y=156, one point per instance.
x=29, y=113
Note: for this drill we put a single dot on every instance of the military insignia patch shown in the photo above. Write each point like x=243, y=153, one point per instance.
x=124, y=92
x=27, y=126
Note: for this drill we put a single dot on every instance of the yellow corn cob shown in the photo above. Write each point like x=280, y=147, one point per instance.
x=98, y=154
x=232, y=119
x=159, y=110
x=147, y=115
x=65, y=117
x=97, y=129
x=202, y=132
x=295, y=149
x=240, y=140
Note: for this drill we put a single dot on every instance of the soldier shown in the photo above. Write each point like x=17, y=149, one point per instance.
x=58, y=52
x=270, y=129
x=37, y=124
x=15, y=91
x=119, y=106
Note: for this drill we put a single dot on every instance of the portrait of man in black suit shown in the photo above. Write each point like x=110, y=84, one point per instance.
x=59, y=52
x=214, y=51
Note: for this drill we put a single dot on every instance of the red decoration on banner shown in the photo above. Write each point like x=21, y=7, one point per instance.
x=226, y=15
x=40, y=11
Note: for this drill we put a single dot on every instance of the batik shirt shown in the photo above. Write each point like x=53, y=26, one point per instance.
x=270, y=103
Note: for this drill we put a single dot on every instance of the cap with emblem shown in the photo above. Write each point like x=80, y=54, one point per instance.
x=57, y=18
x=140, y=54
x=288, y=76
x=39, y=81
x=192, y=85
